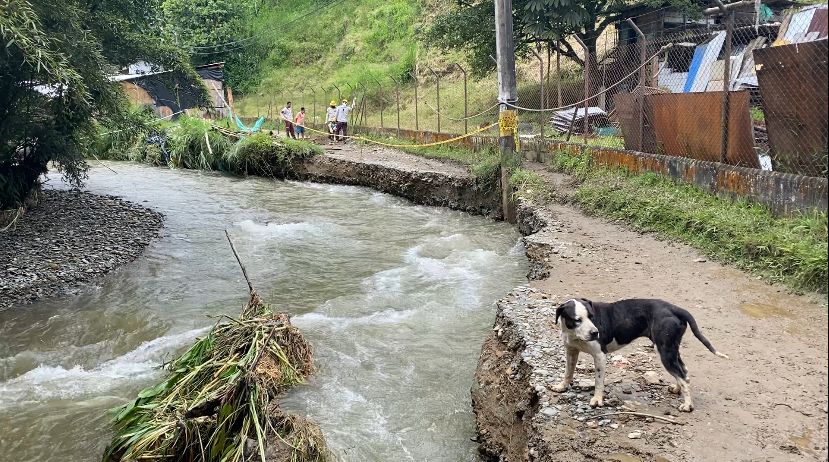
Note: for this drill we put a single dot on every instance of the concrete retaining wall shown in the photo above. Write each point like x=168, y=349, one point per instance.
x=783, y=193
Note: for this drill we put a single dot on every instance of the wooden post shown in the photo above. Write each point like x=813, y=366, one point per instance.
x=728, y=12
x=507, y=118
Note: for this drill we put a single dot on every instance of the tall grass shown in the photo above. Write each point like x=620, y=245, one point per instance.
x=260, y=154
x=788, y=249
x=131, y=143
x=194, y=143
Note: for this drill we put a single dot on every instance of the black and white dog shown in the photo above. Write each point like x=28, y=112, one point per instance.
x=600, y=328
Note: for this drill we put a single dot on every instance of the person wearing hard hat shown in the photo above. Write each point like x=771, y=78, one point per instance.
x=343, y=110
x=331, y=119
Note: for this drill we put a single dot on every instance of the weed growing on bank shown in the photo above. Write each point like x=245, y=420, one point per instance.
x=193, y=143
x=792, y=250
x=529, y=185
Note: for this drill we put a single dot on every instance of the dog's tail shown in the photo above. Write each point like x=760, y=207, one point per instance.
x=686, y=316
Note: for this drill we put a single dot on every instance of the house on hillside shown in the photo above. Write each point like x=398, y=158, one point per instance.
x=169, y=95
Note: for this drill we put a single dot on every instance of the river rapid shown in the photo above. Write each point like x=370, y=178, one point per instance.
x=395, y=299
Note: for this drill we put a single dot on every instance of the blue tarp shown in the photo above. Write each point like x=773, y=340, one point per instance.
x=244, y=128
x=696, y=61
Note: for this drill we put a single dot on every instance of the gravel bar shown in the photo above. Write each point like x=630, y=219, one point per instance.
x=68, y=241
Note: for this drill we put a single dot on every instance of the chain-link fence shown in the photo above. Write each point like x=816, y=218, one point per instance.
x=652, y=84
x=656, y=89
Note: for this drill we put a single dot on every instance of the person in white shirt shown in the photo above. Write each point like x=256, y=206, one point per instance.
x=343, y=110
x=288, y=116
x=331, y=119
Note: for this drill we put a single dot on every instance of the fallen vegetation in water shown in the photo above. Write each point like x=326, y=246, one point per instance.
x=195, y=143
x=218, y=401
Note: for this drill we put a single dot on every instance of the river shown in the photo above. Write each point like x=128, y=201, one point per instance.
x=395, y=298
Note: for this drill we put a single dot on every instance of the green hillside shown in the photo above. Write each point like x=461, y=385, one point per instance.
x=299, y=45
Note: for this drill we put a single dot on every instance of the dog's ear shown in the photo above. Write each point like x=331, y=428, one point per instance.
x=559, y=310
x=591, y=311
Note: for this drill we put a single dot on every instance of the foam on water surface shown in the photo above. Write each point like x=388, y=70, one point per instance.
x=46, y=382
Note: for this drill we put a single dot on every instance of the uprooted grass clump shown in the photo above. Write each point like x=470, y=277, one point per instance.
x=788, y=249
x=217, y=402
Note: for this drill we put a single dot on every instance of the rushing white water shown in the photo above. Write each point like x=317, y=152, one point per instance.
x=395, y=298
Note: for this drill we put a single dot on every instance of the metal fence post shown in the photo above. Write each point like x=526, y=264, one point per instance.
x=417, y=123
x=465, y=101
x=437, y=84
x=558, y=74
x=586, y=86
x=726, y=107
x=382, y=101
x=397, y=98
x=339, y=93
x=350, y=116
x=361, y=113
x=314, y=110
x=541, y=83
x=643, y=53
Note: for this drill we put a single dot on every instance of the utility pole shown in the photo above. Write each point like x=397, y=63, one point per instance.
x=507, y=118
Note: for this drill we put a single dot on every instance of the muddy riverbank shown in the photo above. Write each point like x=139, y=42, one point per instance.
x=69, y=240
x=420, y=180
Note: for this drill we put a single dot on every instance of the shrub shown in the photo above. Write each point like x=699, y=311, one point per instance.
x=260, y=154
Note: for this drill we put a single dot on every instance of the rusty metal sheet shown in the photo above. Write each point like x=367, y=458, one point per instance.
x=793, y=82
x=689, y=125
x=626, y=106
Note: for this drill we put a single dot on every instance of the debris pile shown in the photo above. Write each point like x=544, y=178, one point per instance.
x=572, y=120
x=218, y=401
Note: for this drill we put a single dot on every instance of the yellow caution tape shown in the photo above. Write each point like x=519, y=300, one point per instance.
x=391, y=145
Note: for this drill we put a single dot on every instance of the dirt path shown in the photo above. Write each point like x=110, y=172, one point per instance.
x=768, y=402
x=378, y=155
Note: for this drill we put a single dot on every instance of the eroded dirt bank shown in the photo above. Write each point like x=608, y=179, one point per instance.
x=768, y=402
x=420, y=180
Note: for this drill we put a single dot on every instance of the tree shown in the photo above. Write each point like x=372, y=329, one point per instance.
x=209, y=28
x=471, y=25
x=54, y=92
